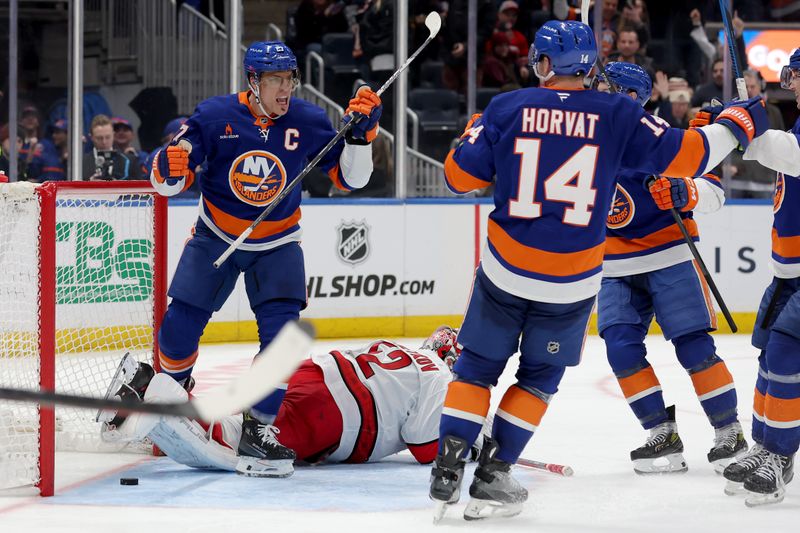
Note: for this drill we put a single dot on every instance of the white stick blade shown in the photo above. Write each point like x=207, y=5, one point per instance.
x=434, y=23
x=272, y=367
x=585, y=11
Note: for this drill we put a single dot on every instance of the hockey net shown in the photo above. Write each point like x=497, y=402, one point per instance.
x=82, y=268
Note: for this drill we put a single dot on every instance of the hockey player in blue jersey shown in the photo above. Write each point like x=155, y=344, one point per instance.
x=648, y=271
x=254, y=143
x=554, y=154
x=769, y=465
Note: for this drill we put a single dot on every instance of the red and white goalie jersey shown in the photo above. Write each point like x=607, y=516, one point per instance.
x=390, y=398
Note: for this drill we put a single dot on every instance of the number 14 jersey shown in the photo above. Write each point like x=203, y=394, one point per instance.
x=554, y=156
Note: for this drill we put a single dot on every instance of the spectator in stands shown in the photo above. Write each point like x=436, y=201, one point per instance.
x=507, y=16
x=713, y=89
x=628, y=47
x=124, y=137
x=5, y=151
x=700, y=36
x=30, y=130
x=608, y=31
x=104, y=162
x=673, y=97
x=49, y=162
x=375, y=30
x=500, y=66
x=313, y=19
x=635, y=16
x=455, y=40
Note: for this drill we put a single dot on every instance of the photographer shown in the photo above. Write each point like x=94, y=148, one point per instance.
x=104, y=162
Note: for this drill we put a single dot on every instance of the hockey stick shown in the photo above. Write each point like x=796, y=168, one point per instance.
x=561, y=470
x=741, y=88
x=272, y=366
x=699, y=260
x=434, y=23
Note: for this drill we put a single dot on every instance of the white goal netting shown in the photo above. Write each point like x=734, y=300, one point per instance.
x=104, y=243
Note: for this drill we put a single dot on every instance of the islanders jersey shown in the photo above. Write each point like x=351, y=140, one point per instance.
x=390, y=399
x=780, y=151
x=556, y=155
x=786, y=225
x=640, y=236
x=251, y=159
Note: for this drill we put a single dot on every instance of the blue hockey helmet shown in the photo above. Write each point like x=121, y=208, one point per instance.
x=269, y=56
x=629, y=77
x=790, y=71
x=570, y=46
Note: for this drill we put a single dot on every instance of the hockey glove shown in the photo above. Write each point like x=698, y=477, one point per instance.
x=170, y=173
x=707, y=115
x=746, y=119
x=367, y=105
x=678, y=193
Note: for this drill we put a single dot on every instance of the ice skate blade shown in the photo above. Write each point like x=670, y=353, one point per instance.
x=720, y=464
x=676, y=464
x=475, y=507
x=254, y=467
x=439, y=511
x=755, y=499
x=733, y=488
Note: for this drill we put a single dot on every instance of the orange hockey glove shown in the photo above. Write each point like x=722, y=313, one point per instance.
x=367, y=103
x=678, y=193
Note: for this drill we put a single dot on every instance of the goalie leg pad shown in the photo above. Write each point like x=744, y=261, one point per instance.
x=182, y=440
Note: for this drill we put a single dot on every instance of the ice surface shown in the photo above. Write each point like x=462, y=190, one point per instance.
x=588, y=426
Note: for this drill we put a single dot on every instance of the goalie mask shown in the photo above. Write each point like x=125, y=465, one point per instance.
x=443, y=342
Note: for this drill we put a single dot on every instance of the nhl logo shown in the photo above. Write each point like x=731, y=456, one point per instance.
x=553, y=347
x=353, y=244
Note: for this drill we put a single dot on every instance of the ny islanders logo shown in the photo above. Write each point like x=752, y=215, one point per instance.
x=622, y=209
x=780, y=192
x=257, y=177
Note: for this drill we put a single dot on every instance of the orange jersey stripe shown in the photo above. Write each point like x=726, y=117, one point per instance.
x=639, y=382
x=235, y=226
x=781, y=409
x=712, y=313
x=459, y=179
x=523, y=405
x=711, y=379
x=333, y=174
x=549, y=263
x=176, y=365
x=785, y=246
x=620, y=245
x=468, y=398
x=687, y=160
x=758, y=403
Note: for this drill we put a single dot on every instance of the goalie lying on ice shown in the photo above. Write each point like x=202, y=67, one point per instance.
x=349, y=406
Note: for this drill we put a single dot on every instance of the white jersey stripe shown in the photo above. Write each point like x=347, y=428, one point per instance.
x=646, y=392
x=511, y=419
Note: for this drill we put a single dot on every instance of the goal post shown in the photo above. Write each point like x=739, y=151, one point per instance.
x=82, y=282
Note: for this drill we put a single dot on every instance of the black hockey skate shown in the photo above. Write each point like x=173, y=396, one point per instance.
x=744, y=465
x=129, y=381
x=260, y=453
x=493, y=488
x=767, y=484
x=663, y=451
x=729, y=442
x=447, y=474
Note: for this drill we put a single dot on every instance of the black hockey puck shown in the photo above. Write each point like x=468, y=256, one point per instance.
x=129, y=481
